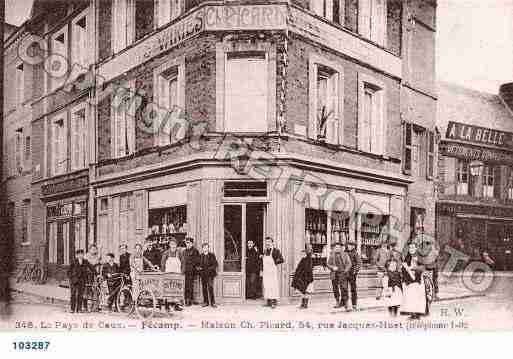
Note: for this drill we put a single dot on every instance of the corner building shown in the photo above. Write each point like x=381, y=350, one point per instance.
x=306, y=121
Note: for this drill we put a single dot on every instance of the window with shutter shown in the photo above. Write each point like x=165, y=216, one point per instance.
x=120, y=24
x=59, y=46
x=19, y=151
x=462, y=177
x=246, y=101
x=488, y=181
x=430, y=157
x=25, y=222
x=509, y=187
x=79, y=137
x=371, y=115
x=408, y=147
x=80, y=48
x=27, y=149
x=372, y=20
x=170, y=96
x=20, y=85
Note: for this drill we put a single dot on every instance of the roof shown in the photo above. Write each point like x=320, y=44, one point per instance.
x=471, y=107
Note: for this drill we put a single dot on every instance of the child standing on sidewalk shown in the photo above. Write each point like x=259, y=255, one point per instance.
x=392, y=287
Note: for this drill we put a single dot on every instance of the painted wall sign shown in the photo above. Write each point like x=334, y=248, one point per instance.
x=243, y=17
x=173, y=35
x=75, y=184
x=472, y=153
x=479, y=135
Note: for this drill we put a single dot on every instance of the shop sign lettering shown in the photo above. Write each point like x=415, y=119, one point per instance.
x=479, y=135
x=173, y=35
x=479, y=154
x=245, y=17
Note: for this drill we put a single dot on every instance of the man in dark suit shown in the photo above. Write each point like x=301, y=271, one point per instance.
x=190, y=257
x=252, y=270
x=110, y=272
x=208, y=271
x=124, y=260
x=77, y=274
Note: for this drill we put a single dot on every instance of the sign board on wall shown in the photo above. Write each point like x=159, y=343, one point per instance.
x=474, y=153
x=479, y=135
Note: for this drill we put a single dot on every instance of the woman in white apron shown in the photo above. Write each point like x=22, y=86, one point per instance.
x=270, y=260
x=414, y=291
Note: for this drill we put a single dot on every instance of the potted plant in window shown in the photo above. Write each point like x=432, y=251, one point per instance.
x=322, y=122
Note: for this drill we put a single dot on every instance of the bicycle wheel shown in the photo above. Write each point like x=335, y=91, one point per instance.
x=125, y=301
x=93, y=296
x=145, y=304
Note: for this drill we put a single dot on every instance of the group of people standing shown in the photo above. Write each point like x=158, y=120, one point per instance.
x=399, y=275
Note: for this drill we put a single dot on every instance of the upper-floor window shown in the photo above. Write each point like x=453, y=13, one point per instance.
x=168, y=10
x=20, y=85
x=246, y=92
x=59, y=47
x=510, y=184
x=170, y=93
x=80, y=50
x=18, y=155
x=25, y=222
x=462, y=177
x=408, y=154
x=123, y=120
x=78, y=137
x=326, y=100
x=59, y=146
x=488, y=181
x=372, y=16
x=430, y=149
x=122, y=24
x=371, y=113
x=27, y=149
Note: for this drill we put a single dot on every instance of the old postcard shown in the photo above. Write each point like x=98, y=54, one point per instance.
x=253, y=166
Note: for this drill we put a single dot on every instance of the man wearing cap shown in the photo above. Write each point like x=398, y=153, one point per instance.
x=356, y=263
x=190, y=257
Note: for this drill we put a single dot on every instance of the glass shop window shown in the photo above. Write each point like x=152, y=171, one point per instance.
x=373, y=231
x=167, y=223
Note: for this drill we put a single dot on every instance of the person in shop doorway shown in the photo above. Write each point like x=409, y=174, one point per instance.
x=77, y=274
x=303, y=277
x=191, y=258
x=339, y=265
x=110, y=272
x=271, y=259
x=252, y=270
x=356, y=264
x=381, y=257
x=208, y=271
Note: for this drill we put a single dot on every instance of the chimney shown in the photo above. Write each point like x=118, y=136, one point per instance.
x=506, y=93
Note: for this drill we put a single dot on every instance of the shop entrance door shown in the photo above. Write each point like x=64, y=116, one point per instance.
x=242, y=222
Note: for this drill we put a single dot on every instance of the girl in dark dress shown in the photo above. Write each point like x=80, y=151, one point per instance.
x=303, y=277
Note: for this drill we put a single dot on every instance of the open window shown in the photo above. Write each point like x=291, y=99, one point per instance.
x=372, y=16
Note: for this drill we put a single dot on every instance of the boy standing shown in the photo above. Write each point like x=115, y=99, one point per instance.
x=208, y=271
x=77, y=274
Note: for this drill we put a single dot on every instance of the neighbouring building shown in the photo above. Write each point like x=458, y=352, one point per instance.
x=306, y=121
x=474, y=209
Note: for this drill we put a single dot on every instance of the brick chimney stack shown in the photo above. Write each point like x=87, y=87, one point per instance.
x=506, y=93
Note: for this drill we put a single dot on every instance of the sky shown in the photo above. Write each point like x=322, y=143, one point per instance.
x=474, y=40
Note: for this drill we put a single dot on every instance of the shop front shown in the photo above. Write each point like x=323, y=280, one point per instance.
x=66, y=216
x=474, y=229
x=219, y=206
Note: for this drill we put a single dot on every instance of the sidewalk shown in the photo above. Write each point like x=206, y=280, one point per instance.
x=450, y=288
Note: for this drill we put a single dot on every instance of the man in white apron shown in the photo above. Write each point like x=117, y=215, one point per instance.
x=172, y=259
x=270, y=260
